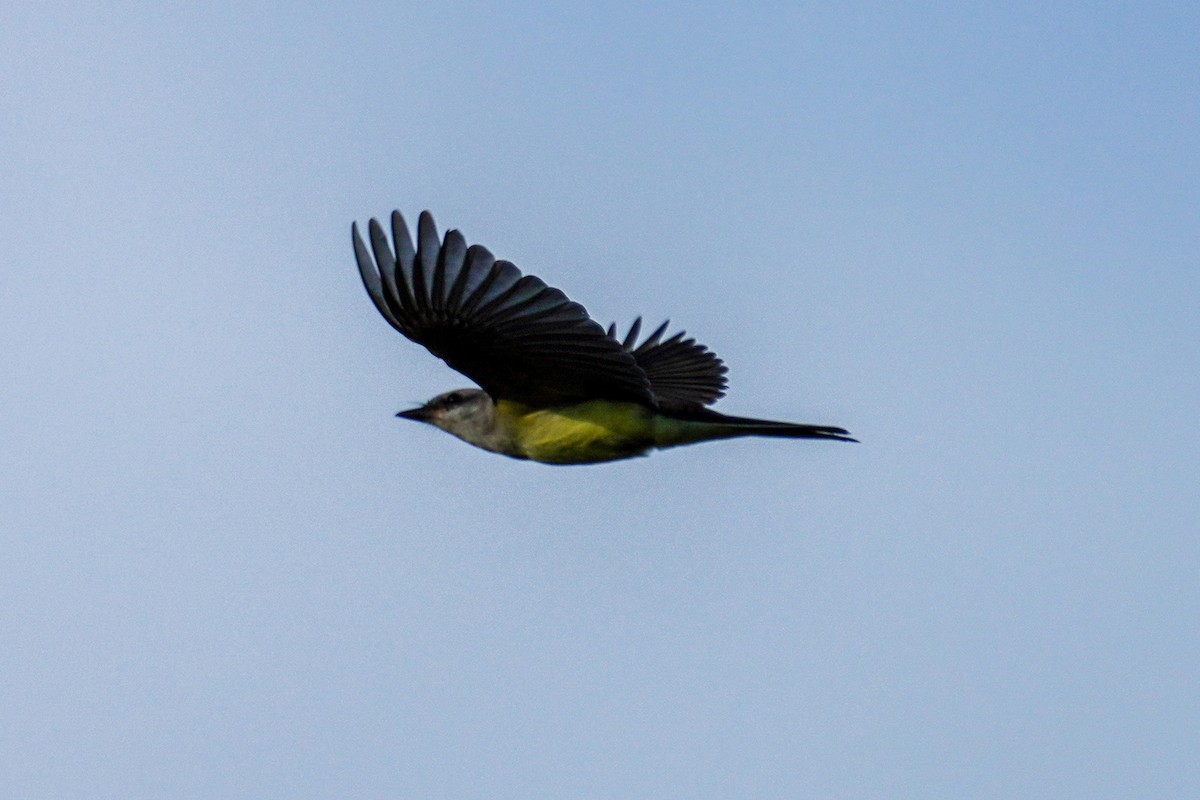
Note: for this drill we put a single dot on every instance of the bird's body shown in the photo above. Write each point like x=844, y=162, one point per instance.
x=556, y=388
x=579, y=433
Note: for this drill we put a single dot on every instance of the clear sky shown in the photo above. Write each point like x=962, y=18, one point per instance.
x=970, y=233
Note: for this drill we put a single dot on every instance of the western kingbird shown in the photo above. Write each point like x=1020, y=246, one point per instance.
x=555, y=387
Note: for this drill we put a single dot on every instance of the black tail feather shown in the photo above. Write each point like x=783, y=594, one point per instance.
x=788, y=430
x=748, y=426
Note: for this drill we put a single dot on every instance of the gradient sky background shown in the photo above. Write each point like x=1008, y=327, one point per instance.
x=970, y=234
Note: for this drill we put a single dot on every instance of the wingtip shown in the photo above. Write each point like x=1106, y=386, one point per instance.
x=425, y=221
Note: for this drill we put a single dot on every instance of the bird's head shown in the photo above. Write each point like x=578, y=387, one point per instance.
x=462, y=412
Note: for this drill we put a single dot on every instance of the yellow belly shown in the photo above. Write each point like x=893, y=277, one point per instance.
x=598, y=430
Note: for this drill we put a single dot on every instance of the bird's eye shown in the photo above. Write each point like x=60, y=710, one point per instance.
x=453, y=399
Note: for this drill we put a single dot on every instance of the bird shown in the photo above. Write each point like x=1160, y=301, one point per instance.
x=554, y=386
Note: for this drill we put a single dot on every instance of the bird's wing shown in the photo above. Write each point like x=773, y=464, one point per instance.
x=515, y=336
x=682, y=372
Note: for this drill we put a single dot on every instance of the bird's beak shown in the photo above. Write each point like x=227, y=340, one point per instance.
x=420, y=414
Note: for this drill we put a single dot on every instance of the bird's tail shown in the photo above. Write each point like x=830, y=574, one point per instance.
x=790, y=430
x=699, y=425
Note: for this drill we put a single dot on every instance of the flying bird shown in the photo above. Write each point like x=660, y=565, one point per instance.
x=554, y=386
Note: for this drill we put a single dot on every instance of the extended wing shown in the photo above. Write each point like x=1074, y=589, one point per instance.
x=513, y=335
x=682, y=372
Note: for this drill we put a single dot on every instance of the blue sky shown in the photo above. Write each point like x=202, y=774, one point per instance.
x=969, y=234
